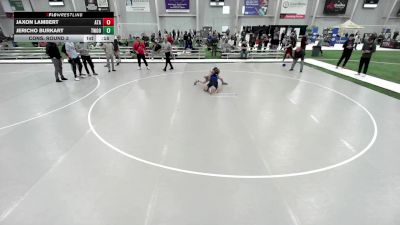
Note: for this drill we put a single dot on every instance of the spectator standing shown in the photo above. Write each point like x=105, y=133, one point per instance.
x=266, y=41
x=303, y=43
x=243, y=53
x=367, y=50
x=189, y=43
x=185, y=39
x=130, y=38
x=74, y=59
x=275, y=40
x=54, y=53
x=357, y=41
x=83, y=50
x=174, y=34
x=293, y=40
x=117, y=52
x=109, y=50
x=320, y=41
x=347, y=51
x=140, y=50
x=259, y=43
x=226, y=47
x=214, y=44
x=235, y=39
x=282, y=39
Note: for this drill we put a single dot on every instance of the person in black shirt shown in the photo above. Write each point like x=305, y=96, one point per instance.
x=282, y=38
x=367, y=50
x=174, y=34
x=266, y=41
x=117, y=52
x=54, y=53
x=243, y=53
x=185, y=39
x=348, y=47
x=303, y=42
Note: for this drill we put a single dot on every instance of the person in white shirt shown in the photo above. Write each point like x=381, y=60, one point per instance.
x=357, y=40
x=168, y=52
x=74, y=59
x=109, y=50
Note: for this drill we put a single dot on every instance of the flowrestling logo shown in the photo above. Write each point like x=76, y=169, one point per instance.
x=335, y=7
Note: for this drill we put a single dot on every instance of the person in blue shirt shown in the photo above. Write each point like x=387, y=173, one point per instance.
x=74, y=59
x=212, y=86
x=207, y=78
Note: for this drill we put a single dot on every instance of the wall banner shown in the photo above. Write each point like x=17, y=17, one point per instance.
x=335, y=7
x=97, y=6
x=255, y=7
x=139, y=6
x=293, y=9
x=177, y=5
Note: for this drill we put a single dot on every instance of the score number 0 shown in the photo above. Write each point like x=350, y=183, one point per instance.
x=108, y=22
x=108, y=25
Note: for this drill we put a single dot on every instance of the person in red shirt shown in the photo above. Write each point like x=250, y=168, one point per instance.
x=170, y=39
x=140, y=50
x=136, y=44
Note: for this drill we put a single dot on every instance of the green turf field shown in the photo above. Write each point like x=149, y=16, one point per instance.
x=384, y=64
x=362, y=83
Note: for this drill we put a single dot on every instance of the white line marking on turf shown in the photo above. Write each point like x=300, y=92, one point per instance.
x=314, y=118
x=173, y=116
x=292, y=101
x=302, y=173
x=8, y=211
x=153, y=200
x=293, y=216
x=165, y=150
x=39, y=115
x=348, y=145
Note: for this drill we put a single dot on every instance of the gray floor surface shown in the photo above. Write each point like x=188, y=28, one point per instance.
x=163, y=152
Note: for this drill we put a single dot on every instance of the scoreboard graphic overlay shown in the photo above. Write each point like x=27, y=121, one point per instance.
x=64, y=26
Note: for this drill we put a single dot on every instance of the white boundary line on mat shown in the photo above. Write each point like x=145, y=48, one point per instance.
x=362, y=152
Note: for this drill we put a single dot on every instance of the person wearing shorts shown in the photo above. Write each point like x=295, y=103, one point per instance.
x=213, y=82
x=207, y=78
